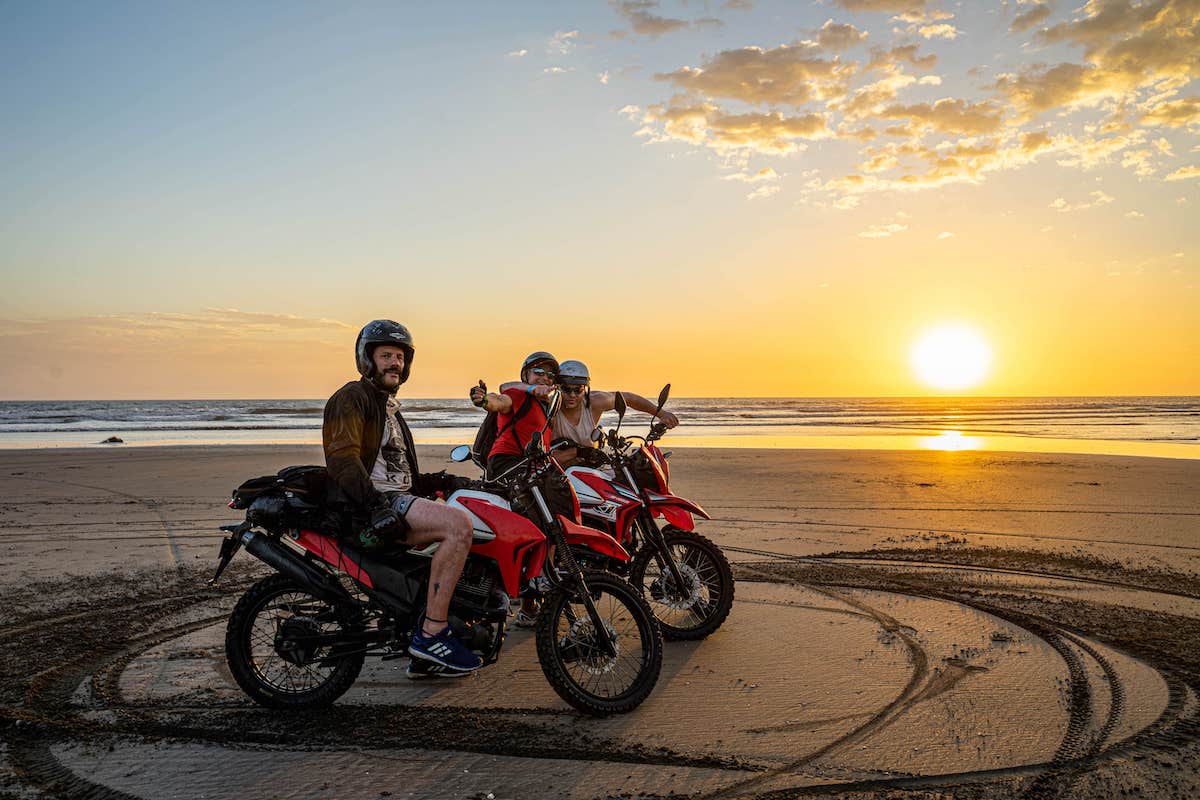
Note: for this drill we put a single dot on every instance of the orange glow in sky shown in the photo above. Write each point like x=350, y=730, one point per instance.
x=741, y=199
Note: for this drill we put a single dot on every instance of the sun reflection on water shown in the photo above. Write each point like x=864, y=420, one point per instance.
x=952, y=440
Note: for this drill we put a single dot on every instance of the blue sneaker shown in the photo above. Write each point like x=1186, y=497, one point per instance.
x=443, y=648
x=420, y=670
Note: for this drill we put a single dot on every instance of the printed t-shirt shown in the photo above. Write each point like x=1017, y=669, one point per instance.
x=528, y=426
x=392, y=472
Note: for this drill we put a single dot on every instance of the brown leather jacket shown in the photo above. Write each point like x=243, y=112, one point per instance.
x=353, y=429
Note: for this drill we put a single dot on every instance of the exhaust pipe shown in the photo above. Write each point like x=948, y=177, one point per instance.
x=275, y=555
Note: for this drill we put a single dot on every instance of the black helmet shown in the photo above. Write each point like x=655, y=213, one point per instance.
x=376, y=333
x=534, y=358
x=574, y=373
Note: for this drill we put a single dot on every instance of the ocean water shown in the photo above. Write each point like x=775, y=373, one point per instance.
x=1167, y=426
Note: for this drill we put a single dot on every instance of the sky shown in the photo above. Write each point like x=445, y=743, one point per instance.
x=208, y=200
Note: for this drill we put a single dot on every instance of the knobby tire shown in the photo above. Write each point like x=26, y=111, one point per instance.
x=701, y=555
x=253, y=681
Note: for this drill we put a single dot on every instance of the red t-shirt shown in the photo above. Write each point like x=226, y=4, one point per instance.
x=528, y=425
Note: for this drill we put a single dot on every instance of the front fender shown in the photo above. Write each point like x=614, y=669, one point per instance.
x=594, y=540
x=676, y=510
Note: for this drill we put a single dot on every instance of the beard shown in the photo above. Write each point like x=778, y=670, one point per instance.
x=389, y=380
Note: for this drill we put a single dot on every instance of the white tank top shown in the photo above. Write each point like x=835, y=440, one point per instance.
x=580, y=433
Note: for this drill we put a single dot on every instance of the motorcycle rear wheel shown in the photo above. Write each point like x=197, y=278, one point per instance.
x=707, y=597
x=578, y=670
x=262, y=663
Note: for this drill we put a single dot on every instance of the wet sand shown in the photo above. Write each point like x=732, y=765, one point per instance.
x=981, y=624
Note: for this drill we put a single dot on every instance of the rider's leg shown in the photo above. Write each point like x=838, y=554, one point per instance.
x=451, y=528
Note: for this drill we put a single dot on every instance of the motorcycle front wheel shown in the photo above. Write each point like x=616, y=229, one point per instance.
x=576, y=665
x=267, y=651
x=701, y=604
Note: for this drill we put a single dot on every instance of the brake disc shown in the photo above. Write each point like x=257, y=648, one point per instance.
x=663, y=589
x=581, y=638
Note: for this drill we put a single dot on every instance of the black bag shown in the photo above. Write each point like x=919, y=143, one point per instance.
x=308, y=482
x=488, y=432
x=295, y=497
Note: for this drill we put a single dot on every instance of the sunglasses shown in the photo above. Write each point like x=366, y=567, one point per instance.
x=541, y=371
x=572, y=390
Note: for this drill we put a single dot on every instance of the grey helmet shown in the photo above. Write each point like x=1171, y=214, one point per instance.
x=535, y=357
x=574, y=373
x=379, y=332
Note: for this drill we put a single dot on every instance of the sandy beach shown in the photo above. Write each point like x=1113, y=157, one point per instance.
x=985, y=624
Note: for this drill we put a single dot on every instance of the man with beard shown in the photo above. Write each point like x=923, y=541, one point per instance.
x=371, y=458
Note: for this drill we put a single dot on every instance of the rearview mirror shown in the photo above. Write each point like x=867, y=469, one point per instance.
x=555, y=400
x=619, y=404
x=461, y=453
x=663, y=395
x=597, y=433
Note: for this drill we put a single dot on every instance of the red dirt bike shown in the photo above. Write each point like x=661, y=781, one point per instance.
x=298, y=638
x=683, y=575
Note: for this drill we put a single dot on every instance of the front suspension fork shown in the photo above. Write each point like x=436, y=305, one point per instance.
x=574, y=574
x=655, y=539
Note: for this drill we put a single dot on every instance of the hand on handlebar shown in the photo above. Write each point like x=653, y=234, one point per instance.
x=667, y=420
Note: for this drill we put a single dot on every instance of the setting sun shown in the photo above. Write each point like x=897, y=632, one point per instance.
x=951, y=357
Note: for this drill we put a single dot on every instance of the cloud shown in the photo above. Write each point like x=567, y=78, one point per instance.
x=767, y=174
x=939, y=31
x=229, y=323
x=847, y=202
x=889, y=6
x=786, y=75
x=1035, y=141
x=837, y=36
x=882, y=231
x=1091, y=152
x=945, y=235
x=1183, y=174
x=1099, y=198
x=707, y=125
x=775, y=100
x=518, y=53
x=1174, y=114
x=966, y=160
x=644, y=22
x=765, y=190
x=889, y=60
x=562, y=42
x=868, y=100
x=919, y=16
x=1127, y=48
x=1023, y=22
x=1140, y=161
x=557, y=70
x=949, y=115
x=1134, y=214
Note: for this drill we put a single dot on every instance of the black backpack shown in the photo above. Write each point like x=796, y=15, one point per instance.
x=489, y=432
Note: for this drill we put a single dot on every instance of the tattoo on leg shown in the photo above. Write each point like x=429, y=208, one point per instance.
x=436, y=588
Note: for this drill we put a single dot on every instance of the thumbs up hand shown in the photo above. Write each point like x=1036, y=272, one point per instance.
x=479, y=394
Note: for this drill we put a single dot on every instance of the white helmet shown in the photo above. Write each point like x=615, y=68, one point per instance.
x=574, y=373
